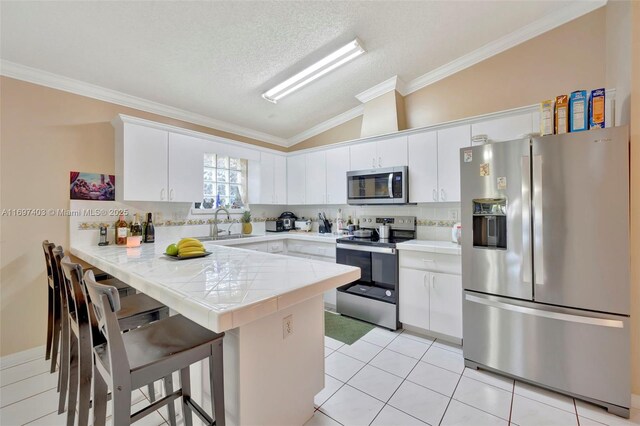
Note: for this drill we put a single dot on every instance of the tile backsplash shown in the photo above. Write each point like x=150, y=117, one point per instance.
x=434, y=220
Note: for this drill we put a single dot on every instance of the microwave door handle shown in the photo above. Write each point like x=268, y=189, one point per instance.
x=526, y=218
x=390, y=185
x=538, y=245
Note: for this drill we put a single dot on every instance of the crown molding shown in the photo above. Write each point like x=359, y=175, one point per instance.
x=394, y=83
x=525, y=33
x=55, y=81
x=326, y=125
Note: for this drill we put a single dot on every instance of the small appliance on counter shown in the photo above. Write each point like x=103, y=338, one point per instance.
x=274, y=225
x=288, y=220
x=456, y=233
x=103, y=236
x=303, y=224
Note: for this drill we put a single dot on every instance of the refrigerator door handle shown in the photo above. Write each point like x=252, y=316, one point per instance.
x=526, y=219
x=538, y=251
x=603, y=322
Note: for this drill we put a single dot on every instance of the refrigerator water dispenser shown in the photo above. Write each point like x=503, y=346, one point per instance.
x=490, y=223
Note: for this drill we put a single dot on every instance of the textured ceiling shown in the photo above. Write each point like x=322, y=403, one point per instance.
x=216, y=58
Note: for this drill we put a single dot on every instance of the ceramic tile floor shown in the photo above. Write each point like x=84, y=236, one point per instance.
x=385, y=378
x=400, y=379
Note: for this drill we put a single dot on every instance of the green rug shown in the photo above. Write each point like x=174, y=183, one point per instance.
x=345, y=329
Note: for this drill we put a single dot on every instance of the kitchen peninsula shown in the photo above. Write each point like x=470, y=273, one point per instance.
x=270, y=307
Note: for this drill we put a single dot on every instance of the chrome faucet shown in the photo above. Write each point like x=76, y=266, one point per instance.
x=214, y=226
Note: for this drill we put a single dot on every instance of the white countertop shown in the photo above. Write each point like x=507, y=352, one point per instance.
x=442, y=247
x=227, y=289
x=275, y=236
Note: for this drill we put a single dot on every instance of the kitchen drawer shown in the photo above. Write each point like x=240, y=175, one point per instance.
x=275, y=246
x=313, y=249
x=436, y=262
x=255, y=246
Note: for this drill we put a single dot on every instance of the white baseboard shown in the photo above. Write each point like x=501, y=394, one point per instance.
x=635, y=401
x=14, y=359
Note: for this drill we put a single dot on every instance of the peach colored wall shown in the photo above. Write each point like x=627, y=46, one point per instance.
x=380, y=115
x=346, y=131
x=635, y=197
x=556, y=62
x=45, y=133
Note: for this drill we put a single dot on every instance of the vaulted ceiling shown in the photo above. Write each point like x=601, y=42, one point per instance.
x=216, y=58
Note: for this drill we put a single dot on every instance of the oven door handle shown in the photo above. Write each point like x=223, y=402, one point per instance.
x=370, y=249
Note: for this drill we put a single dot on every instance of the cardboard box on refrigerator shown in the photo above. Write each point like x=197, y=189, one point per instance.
x=578, y=111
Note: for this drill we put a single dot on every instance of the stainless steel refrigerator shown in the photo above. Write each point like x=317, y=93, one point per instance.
x=545, y=262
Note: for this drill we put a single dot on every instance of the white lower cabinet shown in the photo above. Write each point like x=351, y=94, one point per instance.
x=414, y=298
x=429, y=299
x=445, y=304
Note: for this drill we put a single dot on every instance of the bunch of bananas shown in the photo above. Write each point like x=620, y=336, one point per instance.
x=190, y=247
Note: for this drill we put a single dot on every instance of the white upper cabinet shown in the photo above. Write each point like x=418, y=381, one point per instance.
x=186, y=161
x=280, y=179
x=267, y=179
x=392, y=152
x=141, y=163
x=271, y=187
x=423, y=167
x=337, y=168
x=296, y=185
x=388, y=152
x=450, y=141
x=316, y=178
x=505, y=128
x=363, y=156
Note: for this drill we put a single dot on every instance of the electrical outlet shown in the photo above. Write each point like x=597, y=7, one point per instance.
x=453, y=214
x=287, y=326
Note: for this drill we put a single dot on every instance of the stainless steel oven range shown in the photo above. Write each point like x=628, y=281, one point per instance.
x=374, y=298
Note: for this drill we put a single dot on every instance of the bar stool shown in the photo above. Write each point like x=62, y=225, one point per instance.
x=54, y=309
x=141, y=356
x=76, y=358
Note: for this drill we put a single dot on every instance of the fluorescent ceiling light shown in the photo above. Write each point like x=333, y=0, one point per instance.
x=320, y=68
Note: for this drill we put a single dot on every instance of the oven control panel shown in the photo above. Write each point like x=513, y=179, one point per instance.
x=406, y=223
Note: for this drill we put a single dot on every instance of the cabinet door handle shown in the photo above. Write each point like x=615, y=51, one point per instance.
x=443, y=196
x=162, y=194
x=433, y=281
x=171, y=191
x=434, y=194
x=373, y=162
x=429, y=260
x=424, y=280
x=379, y=161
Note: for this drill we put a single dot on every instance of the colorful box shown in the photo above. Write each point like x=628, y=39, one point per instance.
x=546, y=117
x=578, y=111
x=562, y=114
x=596, y=109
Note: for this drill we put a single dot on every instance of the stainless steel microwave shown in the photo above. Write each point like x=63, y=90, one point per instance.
x=378, y=186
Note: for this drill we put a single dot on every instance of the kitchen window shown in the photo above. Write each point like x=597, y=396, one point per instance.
x=225, y=181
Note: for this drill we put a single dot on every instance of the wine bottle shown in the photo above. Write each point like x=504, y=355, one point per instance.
x=149, y=234
x=136, y=228
x=122, y=230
